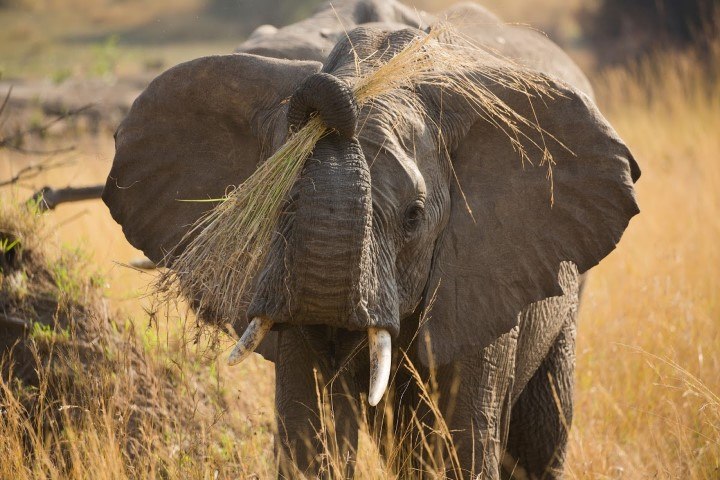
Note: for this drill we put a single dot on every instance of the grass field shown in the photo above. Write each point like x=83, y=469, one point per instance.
x=648, y=402
x=648, y=374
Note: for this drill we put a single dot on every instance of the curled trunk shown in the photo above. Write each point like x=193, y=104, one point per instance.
x=324, y=274
x=320, y=270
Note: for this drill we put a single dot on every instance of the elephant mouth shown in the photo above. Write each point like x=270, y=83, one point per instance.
x=344, y=304
x=379, y=343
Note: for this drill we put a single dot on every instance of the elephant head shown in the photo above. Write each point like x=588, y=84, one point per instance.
x=378, y=223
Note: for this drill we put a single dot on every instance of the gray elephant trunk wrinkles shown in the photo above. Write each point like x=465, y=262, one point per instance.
x=327, y=259
x=322, y=271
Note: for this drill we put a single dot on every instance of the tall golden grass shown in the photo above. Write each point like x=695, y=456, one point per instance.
x=648, y=373
x=648, y=366
x=84, y=394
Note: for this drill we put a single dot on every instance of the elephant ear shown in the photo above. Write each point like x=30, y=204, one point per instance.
x=197, y=129
x=489, y=266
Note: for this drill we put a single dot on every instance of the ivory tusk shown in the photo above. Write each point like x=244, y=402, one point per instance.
x=380, y=360
x=251, y=338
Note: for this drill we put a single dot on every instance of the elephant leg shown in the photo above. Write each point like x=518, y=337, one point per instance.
x=542, y=414
x=313, y=439
x=475, y=397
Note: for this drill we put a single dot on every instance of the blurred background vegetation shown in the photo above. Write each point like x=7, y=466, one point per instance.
x=625, y=30
x=58, y=39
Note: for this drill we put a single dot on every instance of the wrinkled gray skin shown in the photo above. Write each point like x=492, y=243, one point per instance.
x=377, y=230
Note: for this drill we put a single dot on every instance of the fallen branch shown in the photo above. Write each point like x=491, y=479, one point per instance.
x=11, y=321
x=32, y=171
x=13, y=141
x=48, y=198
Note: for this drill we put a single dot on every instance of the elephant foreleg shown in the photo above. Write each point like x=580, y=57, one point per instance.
x=475, y=395
x=543, y=413
x=317, y=411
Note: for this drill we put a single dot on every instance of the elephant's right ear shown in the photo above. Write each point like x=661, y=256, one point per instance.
x=197, y=129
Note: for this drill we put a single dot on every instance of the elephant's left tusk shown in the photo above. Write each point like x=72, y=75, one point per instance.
x=250, y=340
x=380, y=344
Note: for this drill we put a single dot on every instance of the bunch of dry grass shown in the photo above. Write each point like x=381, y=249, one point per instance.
x=227, y=246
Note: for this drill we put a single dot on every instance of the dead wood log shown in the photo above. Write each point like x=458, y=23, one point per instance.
x=48, y=198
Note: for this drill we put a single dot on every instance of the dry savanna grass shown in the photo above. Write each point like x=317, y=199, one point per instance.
x=648, y=372
x=85, y=393
x=647, y=376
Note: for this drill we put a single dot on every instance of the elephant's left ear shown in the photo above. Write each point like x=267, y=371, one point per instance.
x=528, y=216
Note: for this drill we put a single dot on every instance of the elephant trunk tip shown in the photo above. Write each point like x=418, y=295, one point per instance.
x=329, y=97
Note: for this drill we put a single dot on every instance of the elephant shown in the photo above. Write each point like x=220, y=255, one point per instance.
x=420, y=239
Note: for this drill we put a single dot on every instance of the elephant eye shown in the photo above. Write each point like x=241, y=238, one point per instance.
x=414, y=216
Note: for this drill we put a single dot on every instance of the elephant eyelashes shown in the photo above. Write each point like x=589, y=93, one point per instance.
x=414, y=215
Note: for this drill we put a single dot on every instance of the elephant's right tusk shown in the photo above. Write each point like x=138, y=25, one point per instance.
x=380, y=344
x=250, y=340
